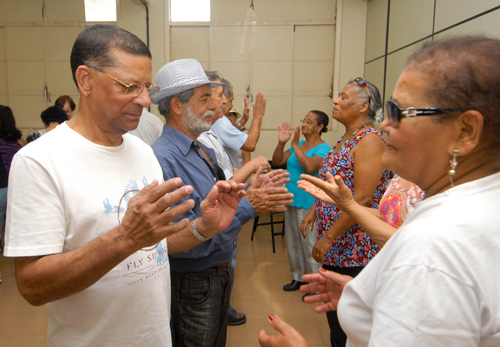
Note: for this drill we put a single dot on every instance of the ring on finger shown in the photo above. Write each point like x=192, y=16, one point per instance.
x=168, y=208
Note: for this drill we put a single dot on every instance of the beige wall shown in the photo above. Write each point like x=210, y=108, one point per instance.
x=34, y=51
x=411, y=23
x=282, y=48
x=294, y=46
x=349, y=52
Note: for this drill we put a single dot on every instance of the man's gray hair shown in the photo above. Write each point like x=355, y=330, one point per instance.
x=213, y=76
x=164, y=104
x=227, y=88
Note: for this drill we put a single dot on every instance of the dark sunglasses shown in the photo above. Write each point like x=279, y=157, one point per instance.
x=360, y=81
x=395, y=113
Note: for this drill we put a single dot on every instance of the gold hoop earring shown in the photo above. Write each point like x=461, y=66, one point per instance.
x=453, y=166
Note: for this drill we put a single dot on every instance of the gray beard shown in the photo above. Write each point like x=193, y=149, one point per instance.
x=194, y=123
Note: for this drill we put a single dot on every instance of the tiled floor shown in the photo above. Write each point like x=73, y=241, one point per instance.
x=260, y=276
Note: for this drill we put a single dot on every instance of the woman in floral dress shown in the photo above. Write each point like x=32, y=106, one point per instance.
x=342, y=245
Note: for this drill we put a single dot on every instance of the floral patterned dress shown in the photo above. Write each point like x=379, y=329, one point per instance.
x=398, y=202
x=354, y=247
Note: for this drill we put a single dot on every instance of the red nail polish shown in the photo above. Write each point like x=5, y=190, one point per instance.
x=271, y=317
x=322, y=270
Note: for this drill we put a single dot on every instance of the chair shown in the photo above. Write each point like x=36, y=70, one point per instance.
x=272, y=223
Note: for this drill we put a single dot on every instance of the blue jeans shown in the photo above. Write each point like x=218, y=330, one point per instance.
x=3, y=208
x=200, y=304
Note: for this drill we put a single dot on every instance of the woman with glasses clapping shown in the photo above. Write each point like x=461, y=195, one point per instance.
x=343, y=246
x=301, y=157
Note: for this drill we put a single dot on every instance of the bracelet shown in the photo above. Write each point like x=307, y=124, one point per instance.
x=196, y=233
x=242, y=128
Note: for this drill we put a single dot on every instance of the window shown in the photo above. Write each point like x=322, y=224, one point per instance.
x=190, y=10
x=100, y=10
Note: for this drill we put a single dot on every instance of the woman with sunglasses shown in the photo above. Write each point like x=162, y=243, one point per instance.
x=342, y=245
x=301, y=157
x=435, y=283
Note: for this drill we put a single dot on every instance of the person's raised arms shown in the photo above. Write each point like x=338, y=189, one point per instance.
x=259, y=108
x=147, y=221
x=219, y=207
x=280, y=156
x=309, y=164
x=336, y=191
x=217, y=210
x=247, y=170
x=271, y=179
x=312, y=185
x=246, y=113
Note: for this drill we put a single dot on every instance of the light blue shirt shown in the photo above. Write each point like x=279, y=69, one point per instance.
x=231, y=138
x=301, y=198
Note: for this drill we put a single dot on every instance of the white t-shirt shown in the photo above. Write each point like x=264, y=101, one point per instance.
x=209, y=139
x=66, y=191
x=231, y=138
x=149, y=128
x=435, y=282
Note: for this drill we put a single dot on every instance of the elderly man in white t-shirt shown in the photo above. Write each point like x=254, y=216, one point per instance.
x=88, y=214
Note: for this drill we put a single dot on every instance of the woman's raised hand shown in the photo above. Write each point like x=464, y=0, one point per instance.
x=296, y=136
x=335, y=189
x=246, y=111
x=316, y=192
x=284, y=132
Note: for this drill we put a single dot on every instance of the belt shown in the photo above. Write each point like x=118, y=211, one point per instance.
x=225, y=264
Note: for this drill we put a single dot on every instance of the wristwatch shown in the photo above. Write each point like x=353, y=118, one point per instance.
x=242, y=128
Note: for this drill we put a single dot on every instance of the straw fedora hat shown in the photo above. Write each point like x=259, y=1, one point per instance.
x=178, y=76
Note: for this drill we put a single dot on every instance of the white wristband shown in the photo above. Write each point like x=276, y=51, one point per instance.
x=196, y=233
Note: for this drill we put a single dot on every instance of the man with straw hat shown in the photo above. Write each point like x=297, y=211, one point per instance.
x=200, y=276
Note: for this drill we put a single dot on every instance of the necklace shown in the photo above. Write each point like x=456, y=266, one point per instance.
x=353, y=134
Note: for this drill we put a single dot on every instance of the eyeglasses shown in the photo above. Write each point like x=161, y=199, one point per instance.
x=135, y=88
x=395, y=113
x=307, y=121
x=360, y=81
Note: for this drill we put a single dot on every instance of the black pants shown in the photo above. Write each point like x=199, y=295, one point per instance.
x=337, y=336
